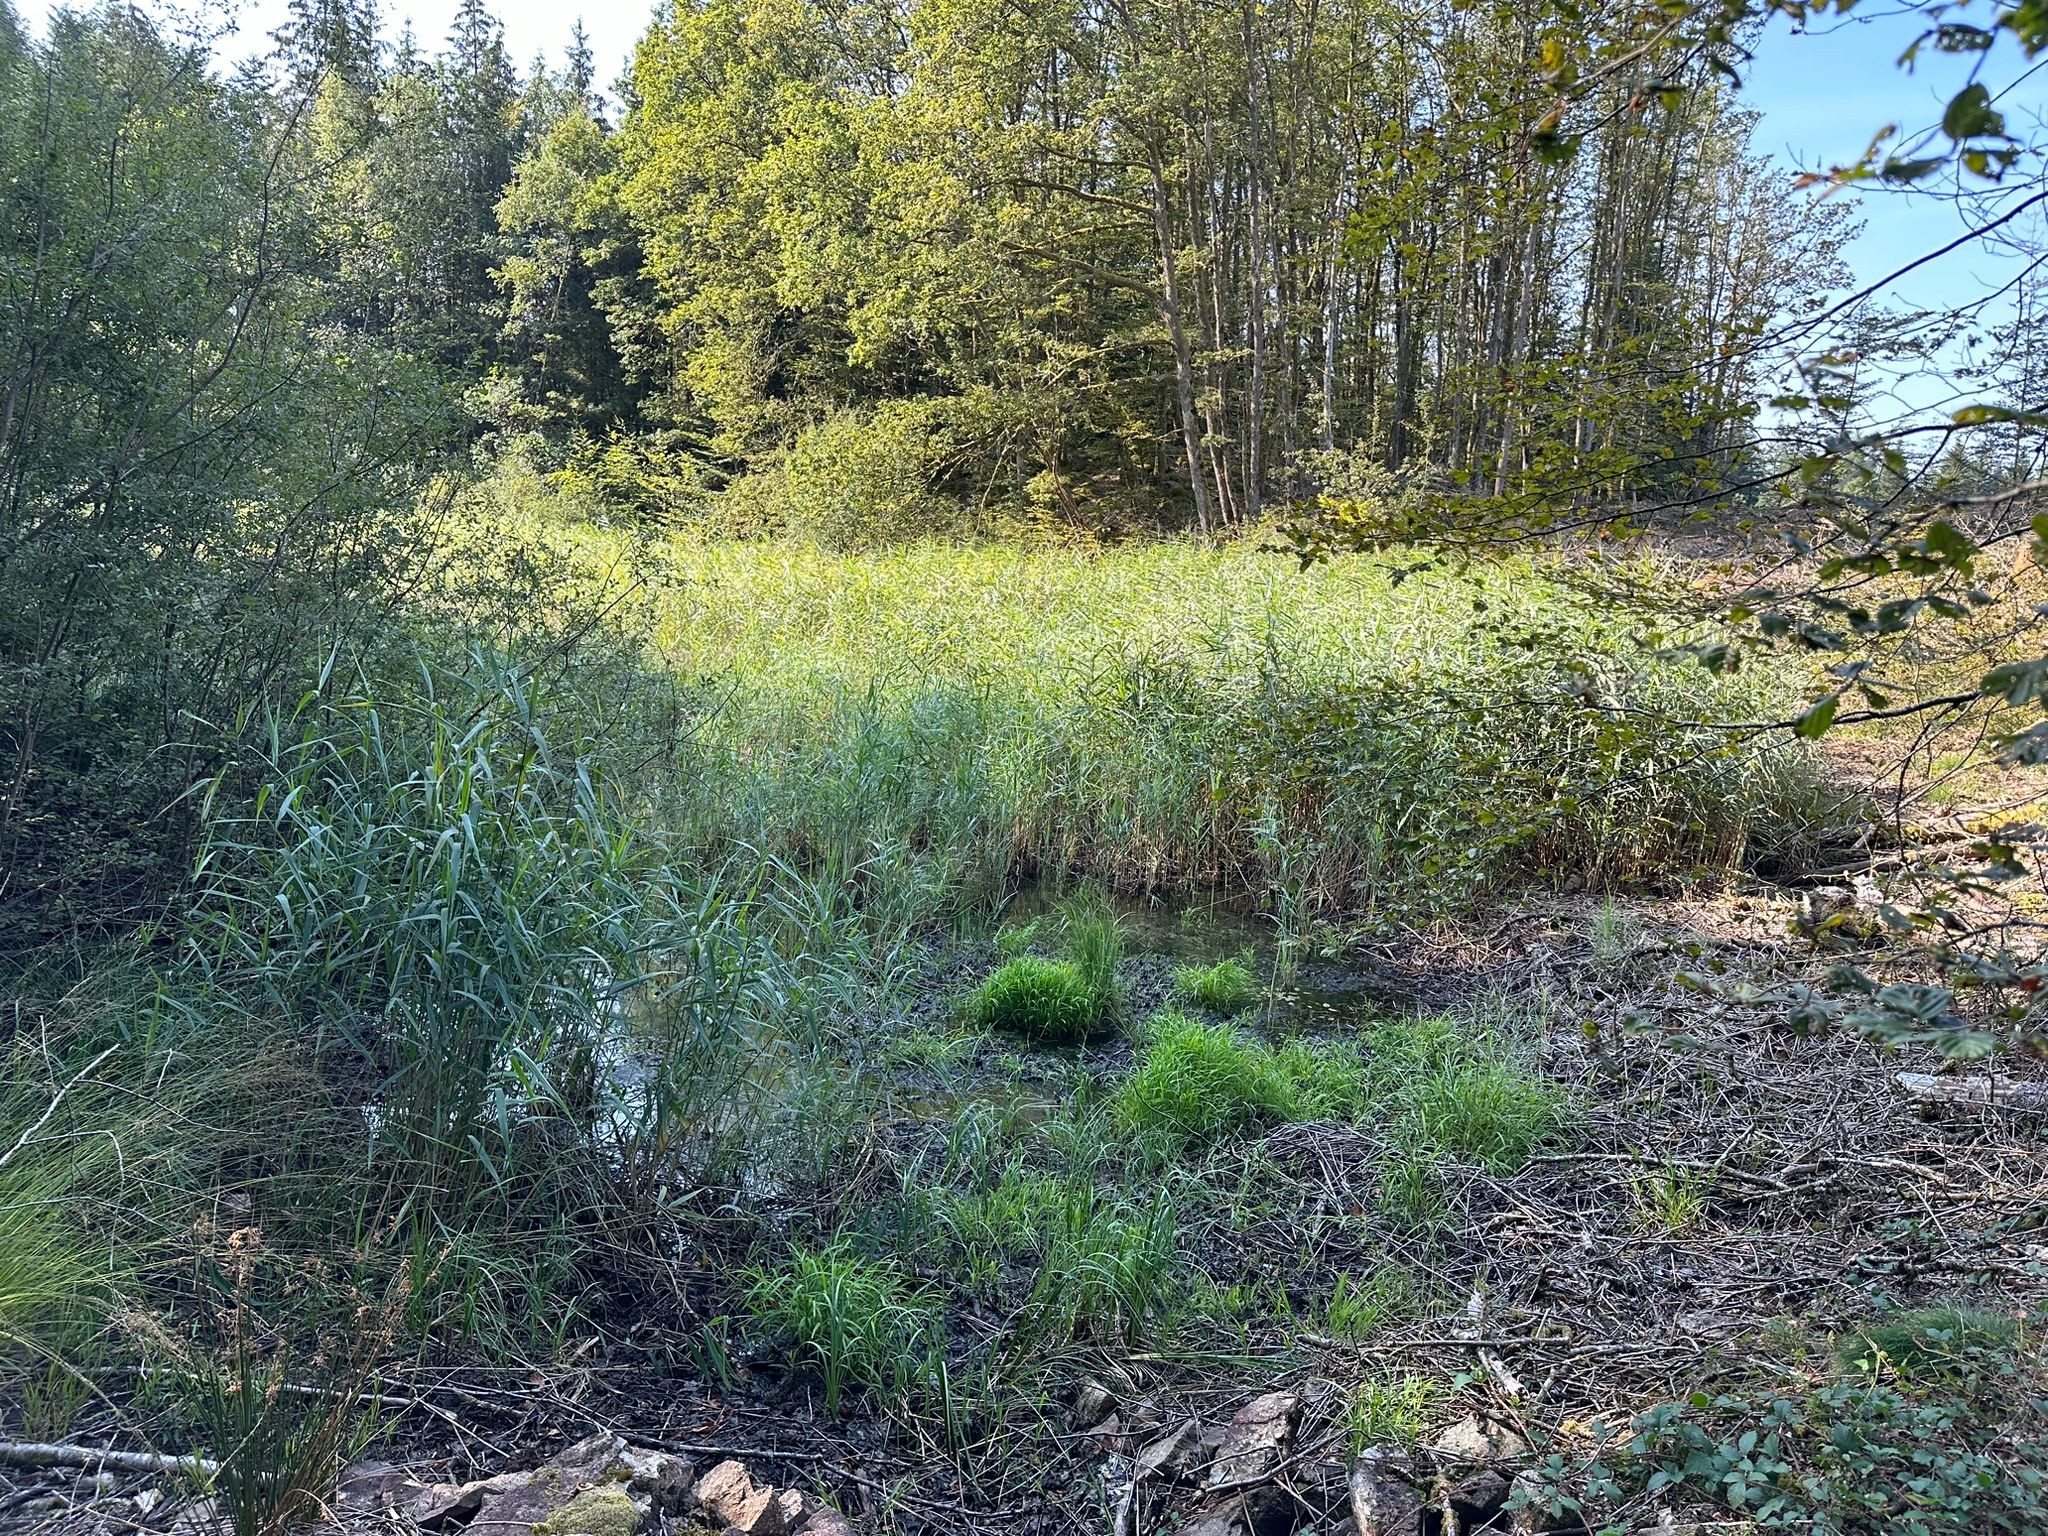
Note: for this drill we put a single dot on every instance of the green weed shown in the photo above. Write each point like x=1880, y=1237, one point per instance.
x=1018, y=938
x=1673, y=1199
x=1490, y=1113
x=1614, y=937
x=1094, y=937
x=854, y=1318
x=1461, y=1087
x=931, y=1050
x=1197, y=1081
x=1360, y=1308
x=1101, y=1264
x=1412, y=1192
x=1392, y=1412
x=1227, y=987
x=1930, y=1342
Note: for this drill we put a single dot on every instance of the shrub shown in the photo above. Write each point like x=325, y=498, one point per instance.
x=1852, y=1456
x=1047, y=1000
x=853, y=1316
x=1226, y=987
x=860, y=479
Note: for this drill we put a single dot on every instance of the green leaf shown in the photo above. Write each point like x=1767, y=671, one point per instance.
x=1815, y=722
x=1970, y=115
x=1898, y=171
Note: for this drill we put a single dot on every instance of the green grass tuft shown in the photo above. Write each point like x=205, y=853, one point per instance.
x=1391, y=1413
x=1095, y=945
x=1198, y=1081
x=1360, y=1308
x=1933, y=1341
x=1047, y=1000
x=1227, y=987
x=1490, y=1113
x=854, y=1317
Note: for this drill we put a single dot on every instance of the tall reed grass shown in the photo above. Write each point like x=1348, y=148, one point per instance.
x=923, y=725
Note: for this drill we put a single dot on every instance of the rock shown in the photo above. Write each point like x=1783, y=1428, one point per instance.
x=1478, y=1499
x=448, y=1504
x=661, y=1477
x=824, y=1520
x=600, y=1486
x=1179, y=1454
x=1092, y=1404
x=1383, y=1501
x=1257, y=1439
x=1259, y=1512
x=1473, y=1442
x=730, y=1496
x=369, y=1488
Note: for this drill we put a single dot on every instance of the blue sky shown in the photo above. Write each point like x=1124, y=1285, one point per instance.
x=1825, y=92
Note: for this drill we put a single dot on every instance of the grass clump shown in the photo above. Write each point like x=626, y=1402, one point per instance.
x=1492, y=1113
x=1360, y=1308
x=1056, y=1001
x=1465, y=1088
x=1673, y=1199
x=1227, y=987
x=1198, y=1081
x=1095, y=944
x=1103, y=1265
x=1929, y=1342
x=1614, y=938
x=1391, y=1413
x=853, y=1316
x=1047, y=1000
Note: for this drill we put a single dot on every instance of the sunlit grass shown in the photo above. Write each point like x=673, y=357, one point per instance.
x=924, y=723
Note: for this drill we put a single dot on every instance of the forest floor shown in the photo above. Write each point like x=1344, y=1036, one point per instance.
x=1727, y=1201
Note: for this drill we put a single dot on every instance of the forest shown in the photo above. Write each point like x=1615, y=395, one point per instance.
x=1233, y=767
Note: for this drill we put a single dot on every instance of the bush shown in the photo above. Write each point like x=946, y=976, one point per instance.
x=1047, y=1000
x=858, y=479
x=1226, y=987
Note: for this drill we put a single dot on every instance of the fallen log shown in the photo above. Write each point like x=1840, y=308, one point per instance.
x=1976, y=1091
x=27, y=1453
